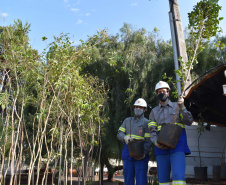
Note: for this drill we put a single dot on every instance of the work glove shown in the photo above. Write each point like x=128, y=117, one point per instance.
x=127, y=139
x=180, y=103
x=139, y=158
x=160, y=146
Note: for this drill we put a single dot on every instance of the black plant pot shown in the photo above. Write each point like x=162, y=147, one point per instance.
x=223, y=171
x=217, y=172
x=169, y=135
x=136, y=148
x=200, y=173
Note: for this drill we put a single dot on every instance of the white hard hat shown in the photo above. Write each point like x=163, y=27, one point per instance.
x=162, y=84
x=140, y=102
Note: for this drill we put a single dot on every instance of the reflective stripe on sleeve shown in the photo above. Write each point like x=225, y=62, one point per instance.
x=122, y=129
x=147, y=135
x=180, y=124
x=152, y=124
x=159, y=127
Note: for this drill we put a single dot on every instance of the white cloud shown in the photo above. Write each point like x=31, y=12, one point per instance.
x=4, y=14
x=78, y=2
x=87, y=14
x=67, y=4
x=79, y=21
x=74, y=9
x=134, y=4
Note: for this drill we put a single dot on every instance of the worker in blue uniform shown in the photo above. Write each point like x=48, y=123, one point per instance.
x=135, y=128
x=169, y=159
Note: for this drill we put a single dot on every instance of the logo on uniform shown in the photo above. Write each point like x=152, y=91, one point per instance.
x=140, y=132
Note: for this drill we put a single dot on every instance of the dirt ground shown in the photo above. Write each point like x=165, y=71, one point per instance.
x=105, y=182
x=188, y=182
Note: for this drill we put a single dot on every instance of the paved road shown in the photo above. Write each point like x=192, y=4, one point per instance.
x=119, y=178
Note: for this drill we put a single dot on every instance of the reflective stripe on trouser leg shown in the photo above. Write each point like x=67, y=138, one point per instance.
x=128, y=172
x=141, y=169
x=178, y=183
x=163, y=169
x=178, y=165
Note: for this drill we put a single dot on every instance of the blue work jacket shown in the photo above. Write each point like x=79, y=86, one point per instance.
x=138, y=130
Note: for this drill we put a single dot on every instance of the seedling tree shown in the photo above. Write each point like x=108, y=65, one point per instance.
x=203, y=24
x=200, y=130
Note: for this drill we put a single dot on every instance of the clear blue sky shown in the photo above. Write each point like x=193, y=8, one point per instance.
x=83, y=17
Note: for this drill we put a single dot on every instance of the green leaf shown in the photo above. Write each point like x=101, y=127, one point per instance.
x=44, y=38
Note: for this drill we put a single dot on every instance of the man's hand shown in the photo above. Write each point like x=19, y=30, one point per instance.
x=139, y=158
x=180, y=103
x=160, y=146
x=127, y=139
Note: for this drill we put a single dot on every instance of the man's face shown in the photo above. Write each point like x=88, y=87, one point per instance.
x=139, y=107
x=162, y=90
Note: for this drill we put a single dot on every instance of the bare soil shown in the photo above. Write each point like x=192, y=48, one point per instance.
x=105, y=182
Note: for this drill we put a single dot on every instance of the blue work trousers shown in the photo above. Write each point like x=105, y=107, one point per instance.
x=135, y=169
x=166, y=163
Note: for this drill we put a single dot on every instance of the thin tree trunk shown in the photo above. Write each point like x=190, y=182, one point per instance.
x=60, y=151
x=81, y=145
x=72, y=144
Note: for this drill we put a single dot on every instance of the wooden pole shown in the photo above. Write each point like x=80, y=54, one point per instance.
x=179, y=37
